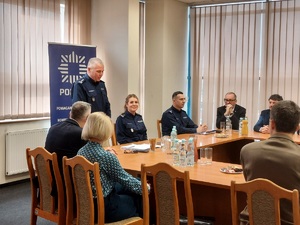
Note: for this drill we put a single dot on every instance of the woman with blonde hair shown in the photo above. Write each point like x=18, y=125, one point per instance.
x=122, y=192
x=130, y=126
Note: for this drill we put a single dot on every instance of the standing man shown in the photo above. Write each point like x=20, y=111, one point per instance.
x=262, y=124
x=277, y=158
x=91, y=88
x=176, y=116
x=231, y=110
x=64, y=138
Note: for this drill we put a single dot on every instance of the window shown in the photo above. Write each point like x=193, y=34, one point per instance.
x=26, y=28
x=250, y=49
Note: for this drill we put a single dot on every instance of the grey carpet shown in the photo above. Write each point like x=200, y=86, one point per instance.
x=15, y=203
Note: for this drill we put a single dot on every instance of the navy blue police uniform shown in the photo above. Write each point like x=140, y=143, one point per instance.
x=130, y=128
x=179, y=118
x=95, y=93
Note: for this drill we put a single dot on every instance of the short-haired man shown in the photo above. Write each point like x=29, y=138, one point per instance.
x=230, y=109
x=176, y=116
x=92, y=89
x=262, y=125
x=64, y=138
x=277, y=158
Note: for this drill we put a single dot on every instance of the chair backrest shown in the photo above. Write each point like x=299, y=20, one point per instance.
x=77, y=178
x=165, y=188
x=45, y=177
x=158, y=126
x=114, y=137
x=77, y=173
x=263, y=200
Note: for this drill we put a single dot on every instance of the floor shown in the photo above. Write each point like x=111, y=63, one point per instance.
x=15, y=203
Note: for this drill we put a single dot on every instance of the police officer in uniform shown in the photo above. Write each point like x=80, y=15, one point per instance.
x=130, y=126
x=91, y=88
x=176, y=116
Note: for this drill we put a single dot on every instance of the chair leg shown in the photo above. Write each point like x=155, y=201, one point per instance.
x=33, y=217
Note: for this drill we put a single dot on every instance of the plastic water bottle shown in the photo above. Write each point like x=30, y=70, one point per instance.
x=175, y=152
x=190, y=153
x=173, y=137
x=182, y=154
x=228, y=127
x=241, y=125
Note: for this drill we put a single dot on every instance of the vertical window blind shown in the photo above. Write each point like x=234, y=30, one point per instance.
x=250, y=49
x=26, y=28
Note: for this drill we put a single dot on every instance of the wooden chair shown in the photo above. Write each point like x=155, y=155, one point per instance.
x=47, y=173
x=80, y=169
x=158, y=126
x=263, y=199
x=114, y=137
x=165, y=189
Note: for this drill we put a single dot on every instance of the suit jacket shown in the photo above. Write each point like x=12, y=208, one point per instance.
x=238, y=112
x=276, y=159
x=64, y=138
x=263, y=120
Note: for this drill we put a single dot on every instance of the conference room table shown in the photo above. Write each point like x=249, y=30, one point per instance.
x=210, y=187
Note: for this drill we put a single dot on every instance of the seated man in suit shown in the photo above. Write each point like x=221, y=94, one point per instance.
x=262, y=124
x=64, y=137
x=276, y=158
x=231, y=110
x=176, y=116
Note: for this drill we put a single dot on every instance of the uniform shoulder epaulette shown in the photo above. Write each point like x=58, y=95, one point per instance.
x=138, y=114
x=81, y=81
x=170, y=111
x=122, y=115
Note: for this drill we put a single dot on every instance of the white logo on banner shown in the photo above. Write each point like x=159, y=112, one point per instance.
x=64, y=67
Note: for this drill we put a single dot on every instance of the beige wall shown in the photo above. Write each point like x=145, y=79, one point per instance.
x=115, y=32
x=166, y=57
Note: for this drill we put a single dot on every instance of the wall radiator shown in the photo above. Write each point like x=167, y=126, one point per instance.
x=15, y=150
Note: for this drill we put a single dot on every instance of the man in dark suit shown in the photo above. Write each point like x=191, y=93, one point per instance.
x=262, y=125
x=64, y=138
x=230, y=110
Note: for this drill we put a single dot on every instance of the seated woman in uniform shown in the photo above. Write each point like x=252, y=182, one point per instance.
x=130, y=126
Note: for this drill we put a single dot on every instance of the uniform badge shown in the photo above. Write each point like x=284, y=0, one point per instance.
x=131, y=130
x=93, y=99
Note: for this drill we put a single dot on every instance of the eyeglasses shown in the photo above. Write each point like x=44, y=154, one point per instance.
x=229, y=100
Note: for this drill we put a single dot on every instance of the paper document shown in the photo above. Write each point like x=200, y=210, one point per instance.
x=137, y=147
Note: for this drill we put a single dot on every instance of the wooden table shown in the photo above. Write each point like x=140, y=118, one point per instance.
x=210, y=187
x=228, y=149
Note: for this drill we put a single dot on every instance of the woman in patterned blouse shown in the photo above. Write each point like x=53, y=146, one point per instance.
x=122, y=192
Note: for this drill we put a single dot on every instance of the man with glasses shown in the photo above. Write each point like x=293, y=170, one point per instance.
x=231, y=110
x=176, y=116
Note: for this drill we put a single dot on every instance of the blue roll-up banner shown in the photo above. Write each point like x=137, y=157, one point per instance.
x=67, y=63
